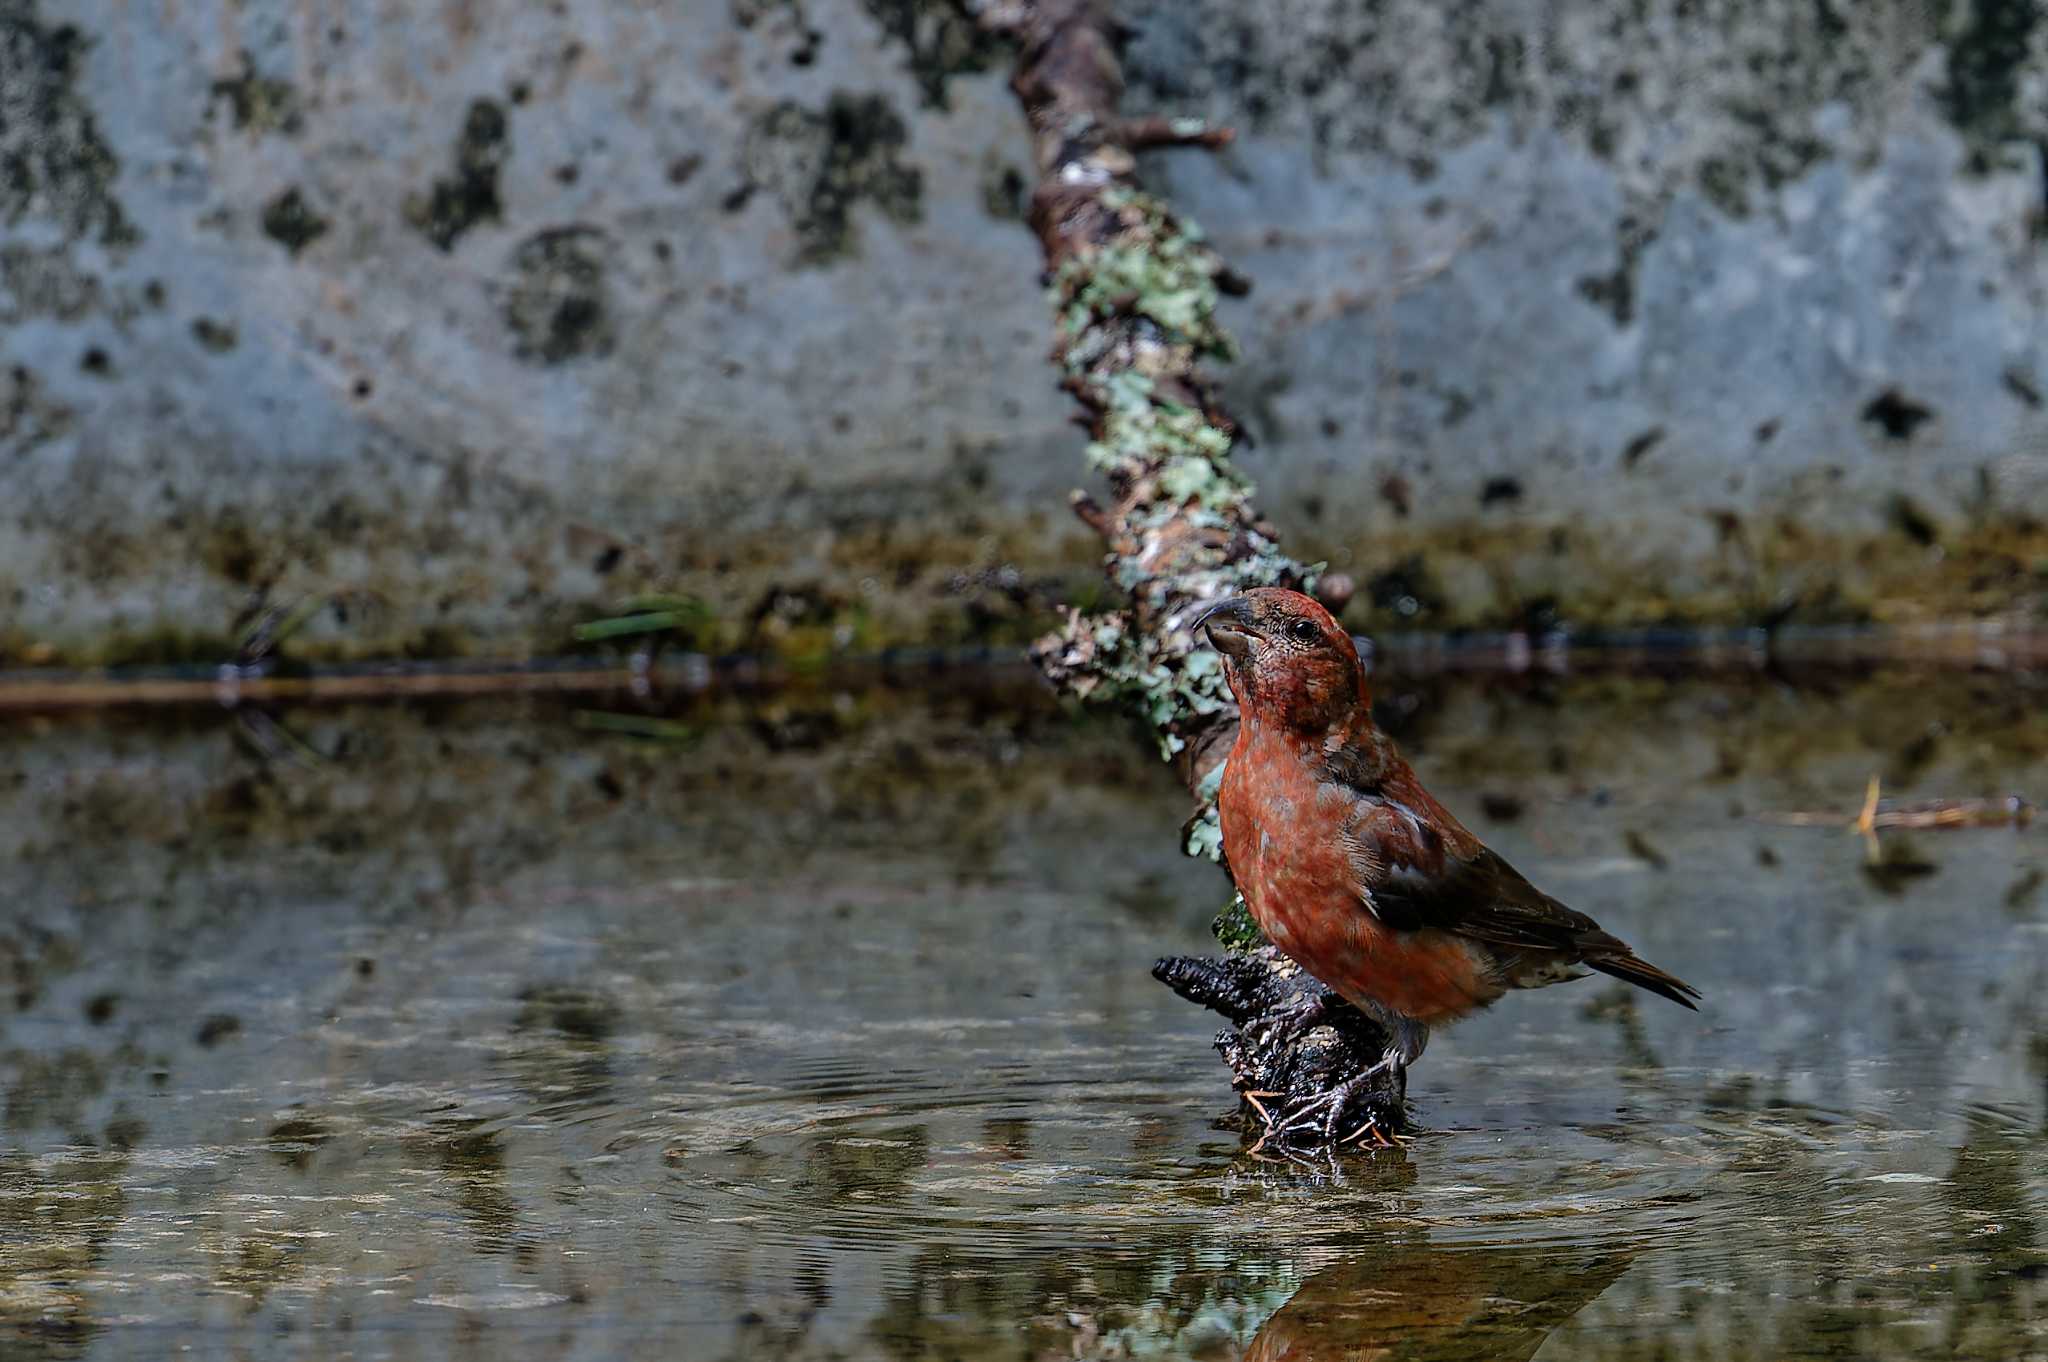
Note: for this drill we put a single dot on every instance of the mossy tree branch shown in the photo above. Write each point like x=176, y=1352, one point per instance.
x=1134, y=290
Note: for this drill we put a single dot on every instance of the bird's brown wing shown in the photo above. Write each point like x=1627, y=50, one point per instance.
x=1411, y=878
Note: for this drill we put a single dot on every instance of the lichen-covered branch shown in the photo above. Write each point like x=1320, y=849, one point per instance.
x=1134, y=294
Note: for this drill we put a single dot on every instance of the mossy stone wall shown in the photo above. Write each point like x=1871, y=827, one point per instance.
x=485, y=317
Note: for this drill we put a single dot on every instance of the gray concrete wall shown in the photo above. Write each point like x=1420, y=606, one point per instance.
x=491, y=314
x=1638, y=310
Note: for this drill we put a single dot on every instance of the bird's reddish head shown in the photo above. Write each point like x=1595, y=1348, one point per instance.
x=1288, y=661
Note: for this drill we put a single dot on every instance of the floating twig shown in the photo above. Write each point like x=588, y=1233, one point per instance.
x=647, y=615
x=637, y=725
x=1876, y=815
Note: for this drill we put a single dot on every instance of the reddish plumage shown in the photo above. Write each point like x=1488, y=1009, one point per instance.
x=1351, y=867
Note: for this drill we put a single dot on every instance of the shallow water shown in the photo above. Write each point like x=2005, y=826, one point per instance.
x=823, y=1028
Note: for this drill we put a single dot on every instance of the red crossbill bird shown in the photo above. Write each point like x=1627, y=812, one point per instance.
x=1354, y=870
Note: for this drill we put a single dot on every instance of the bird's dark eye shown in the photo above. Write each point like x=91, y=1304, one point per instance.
x=1304, y=631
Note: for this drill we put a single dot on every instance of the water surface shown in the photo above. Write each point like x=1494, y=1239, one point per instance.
x=822, y=1028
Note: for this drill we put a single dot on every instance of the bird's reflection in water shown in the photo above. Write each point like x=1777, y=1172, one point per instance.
x=1423, y=1303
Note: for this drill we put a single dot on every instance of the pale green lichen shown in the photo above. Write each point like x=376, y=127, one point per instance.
x=1192, y=455
x=1164, y=690
x=1189, y=477
x=1152, y=286
x=1202, y=836
x=1157, y=267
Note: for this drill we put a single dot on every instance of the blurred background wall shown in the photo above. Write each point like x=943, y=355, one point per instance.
x=495, y=312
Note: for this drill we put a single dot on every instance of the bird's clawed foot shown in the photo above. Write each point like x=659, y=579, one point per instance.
x=1332, y=1113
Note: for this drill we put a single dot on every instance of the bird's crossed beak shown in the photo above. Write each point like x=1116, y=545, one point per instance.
x=1229, y=625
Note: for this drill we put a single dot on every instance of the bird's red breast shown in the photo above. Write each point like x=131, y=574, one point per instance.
x=1287, y=838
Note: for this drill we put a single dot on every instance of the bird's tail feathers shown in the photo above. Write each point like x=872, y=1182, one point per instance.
x=1643, y=974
